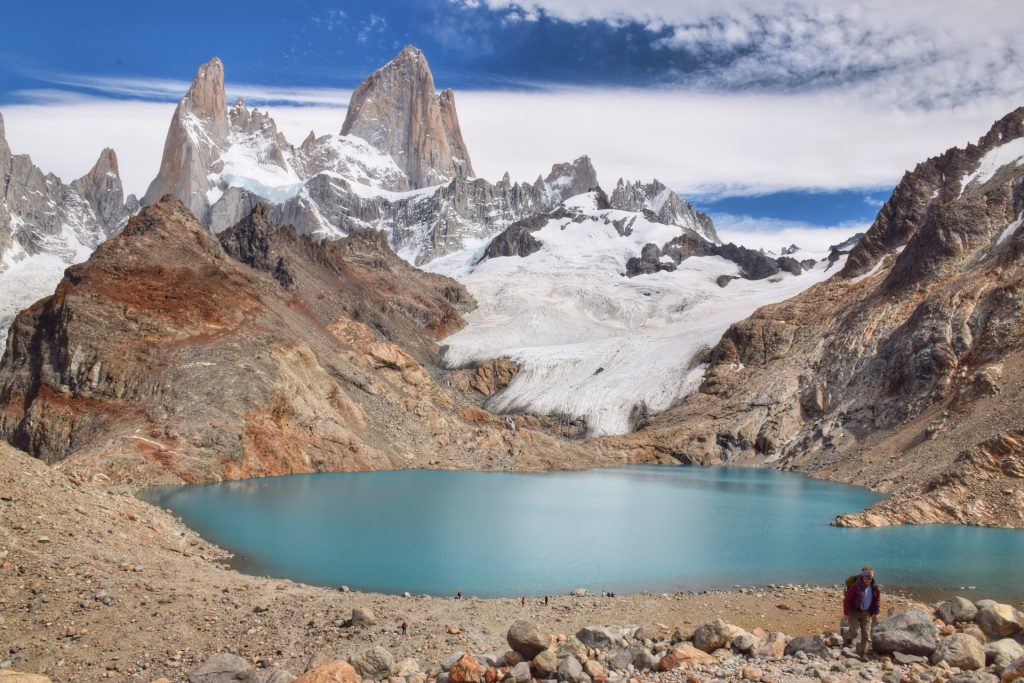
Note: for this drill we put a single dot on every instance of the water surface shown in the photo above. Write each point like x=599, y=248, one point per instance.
x=632, y=529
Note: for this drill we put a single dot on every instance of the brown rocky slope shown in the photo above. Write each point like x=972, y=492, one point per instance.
x=903, y=373
x=168, y=357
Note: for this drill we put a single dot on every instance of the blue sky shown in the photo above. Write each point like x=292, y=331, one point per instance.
x=768, y=115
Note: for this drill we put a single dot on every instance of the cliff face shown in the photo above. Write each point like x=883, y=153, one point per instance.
x=895, y=372
x=169, y=356
x=396, y=110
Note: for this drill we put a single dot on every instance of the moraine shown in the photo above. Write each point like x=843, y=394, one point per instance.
x=624, y=530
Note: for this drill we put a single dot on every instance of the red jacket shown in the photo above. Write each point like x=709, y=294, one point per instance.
x=855, y=598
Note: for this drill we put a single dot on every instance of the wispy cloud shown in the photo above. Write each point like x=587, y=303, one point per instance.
x=773, y=234
x=928, y=54
x=169, y=90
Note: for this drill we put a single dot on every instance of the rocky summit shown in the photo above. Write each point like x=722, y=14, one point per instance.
x=903, y=372
x=46, y=225
x=397, y=111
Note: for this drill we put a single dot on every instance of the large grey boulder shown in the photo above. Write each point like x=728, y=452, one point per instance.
x=744, y=642
x=911, y=633
x=960, y=650
x=712, y=636
x=572, y=647
x=1002, y=652
x=998, y=621
x=527, y=638
x=646, y=661
x=374, y=662
x=957, y=609
x=810, y=645
x=569, y=669
x=598, y=637
x=624, y=657
x=225, y=668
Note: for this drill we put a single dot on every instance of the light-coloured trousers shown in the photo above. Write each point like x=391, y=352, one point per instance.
x=860, y=623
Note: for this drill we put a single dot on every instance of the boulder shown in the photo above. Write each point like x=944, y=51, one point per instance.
x=8, y=676
x=960, y=650
x=597, y=637
x=363, y=616
x=957, y=609
x=810, y=645
x=527, y=638
x=572, y=646
x=973, y=630
x=711, y=636
x=771, y=646
x=974, y=677
x=687, y=655
x=374, y=662
x=911, y=633
x=593, y=669
x=645, y=661
x=1014, y=671
x=544, y=664
x=225, y=668
x=280, y=676
x=744, y=642
x=578, y=592
x=448, y=662
x=569, y=669
x=466, y=670
x=520, y=673
x=511, y=658
x=1002, y=652
x=623, y=657
x=998, y=621
x=405, y=668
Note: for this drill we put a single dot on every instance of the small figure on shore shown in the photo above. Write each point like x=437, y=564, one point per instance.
x=522, y=601
x=545, y=601
x=458, y=594
x=860, y=607
x=405, y=628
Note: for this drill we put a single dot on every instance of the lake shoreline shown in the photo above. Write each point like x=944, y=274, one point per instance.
x=97, y=585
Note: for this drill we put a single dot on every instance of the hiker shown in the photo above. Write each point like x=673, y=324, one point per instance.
x=458, y=594
x=545, y=601
x=860, y=607
x=405, y=628
x=522, y=601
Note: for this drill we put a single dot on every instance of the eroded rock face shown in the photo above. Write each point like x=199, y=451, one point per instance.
x=886, y=373
x=397, y=111
x=168, y=357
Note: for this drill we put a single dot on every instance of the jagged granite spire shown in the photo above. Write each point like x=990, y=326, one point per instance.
x=198, y=133
x=397, y=111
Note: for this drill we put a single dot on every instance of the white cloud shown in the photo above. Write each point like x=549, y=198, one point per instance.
x=913, y=53
x=65, y=134
x=695, y=143
x=773, y=234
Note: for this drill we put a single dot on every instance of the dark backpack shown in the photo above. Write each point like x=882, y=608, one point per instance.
x=850, y=580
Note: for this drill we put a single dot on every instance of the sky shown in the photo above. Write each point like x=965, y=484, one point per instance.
x=784, y=120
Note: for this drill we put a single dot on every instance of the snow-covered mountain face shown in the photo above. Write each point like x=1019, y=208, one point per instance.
x=400, y=164
x=45, y=225
x=592, y=342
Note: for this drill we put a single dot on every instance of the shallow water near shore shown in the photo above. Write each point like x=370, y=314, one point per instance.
x=627, y=530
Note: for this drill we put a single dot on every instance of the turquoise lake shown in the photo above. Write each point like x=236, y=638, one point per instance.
x=658, y=529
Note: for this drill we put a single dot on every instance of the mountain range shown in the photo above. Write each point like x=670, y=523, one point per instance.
x=263, y=314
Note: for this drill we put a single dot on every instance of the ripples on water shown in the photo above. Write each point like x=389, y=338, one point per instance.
x=633, y=529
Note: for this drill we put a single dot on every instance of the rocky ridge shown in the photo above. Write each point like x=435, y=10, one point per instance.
x=172, y=355
x=901, y=373
x=399, y=164
x=46, y=225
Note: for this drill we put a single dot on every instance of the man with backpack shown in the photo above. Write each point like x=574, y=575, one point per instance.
x=860, y=607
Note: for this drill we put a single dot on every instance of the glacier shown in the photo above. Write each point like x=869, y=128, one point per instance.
x=590, y=342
